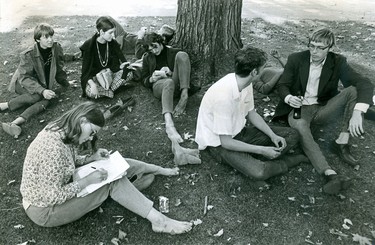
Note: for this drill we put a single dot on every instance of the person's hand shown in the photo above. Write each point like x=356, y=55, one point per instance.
x=141, y=33
x=279, y=142
x=275, y=54
x=356, y=124
x=94, y=90
x=122, y=65
x=48, y=94
x=97, y=176
x=157, y=75
x=167, y=71
x=295, y=101
x=271, y=152
x=100, y=154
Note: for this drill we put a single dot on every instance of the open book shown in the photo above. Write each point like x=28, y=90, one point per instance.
x=115, y=165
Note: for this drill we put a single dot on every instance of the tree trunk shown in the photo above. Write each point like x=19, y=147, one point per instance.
x=209, y=29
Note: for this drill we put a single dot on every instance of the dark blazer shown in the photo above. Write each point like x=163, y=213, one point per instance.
x=88, y=54
x=335, y=69
x=149, y=64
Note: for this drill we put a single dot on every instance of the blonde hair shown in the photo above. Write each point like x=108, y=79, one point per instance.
x=323, y=35
x=70, y=121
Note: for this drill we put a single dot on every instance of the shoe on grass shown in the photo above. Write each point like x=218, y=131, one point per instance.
x=12, y=129
x=336, y=183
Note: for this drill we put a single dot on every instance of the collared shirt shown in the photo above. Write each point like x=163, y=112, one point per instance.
x=311, y=94
x=223, y=111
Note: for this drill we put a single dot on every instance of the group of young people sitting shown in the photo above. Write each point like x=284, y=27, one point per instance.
x=228, y=125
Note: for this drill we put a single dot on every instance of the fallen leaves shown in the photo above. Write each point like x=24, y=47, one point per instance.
x=362, y=240
x=219, y=233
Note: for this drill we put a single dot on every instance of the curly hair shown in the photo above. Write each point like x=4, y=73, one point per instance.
x=153, y=37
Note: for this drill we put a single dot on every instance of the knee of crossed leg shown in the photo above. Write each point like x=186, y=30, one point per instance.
x=260, y=174
x=300, y=125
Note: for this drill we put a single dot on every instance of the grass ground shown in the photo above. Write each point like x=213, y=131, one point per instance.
x=292, y=211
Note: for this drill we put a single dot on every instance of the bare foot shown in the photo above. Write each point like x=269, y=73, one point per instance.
x=181, y=105
x=168, y=171
x=173, y=135
x=183, y=156
x=171, y=226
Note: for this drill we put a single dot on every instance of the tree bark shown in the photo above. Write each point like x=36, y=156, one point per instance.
x=209, y=29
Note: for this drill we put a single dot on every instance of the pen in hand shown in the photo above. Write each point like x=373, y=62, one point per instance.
x=104, y=154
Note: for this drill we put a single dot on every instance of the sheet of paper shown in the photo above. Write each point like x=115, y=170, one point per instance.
x=115, y=165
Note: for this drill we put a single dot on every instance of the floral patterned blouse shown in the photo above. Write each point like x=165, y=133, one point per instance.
x=47, y=172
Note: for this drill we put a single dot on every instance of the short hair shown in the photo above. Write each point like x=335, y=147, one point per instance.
x=323, y=35
x=152, y=37
x=104, y=24
x=247, y=59
x=71, y=120
x=43, y=29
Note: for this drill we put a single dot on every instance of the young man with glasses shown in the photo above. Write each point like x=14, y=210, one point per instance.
x=310, y=81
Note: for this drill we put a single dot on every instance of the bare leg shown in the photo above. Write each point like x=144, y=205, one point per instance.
x=170, y=129
x=163, y=224
x=181, y=105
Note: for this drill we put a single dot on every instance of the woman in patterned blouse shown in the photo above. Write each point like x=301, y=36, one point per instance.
x=50, y=196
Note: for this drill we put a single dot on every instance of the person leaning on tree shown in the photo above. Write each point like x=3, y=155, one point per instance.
x=40, y=68
x=166, y=71
x=310, y=82
x=257, y=150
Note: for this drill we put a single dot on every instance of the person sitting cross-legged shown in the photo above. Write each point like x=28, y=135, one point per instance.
x=257, y=150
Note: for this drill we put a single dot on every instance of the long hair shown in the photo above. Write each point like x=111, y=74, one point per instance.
x=70, y=121
x=104, y=23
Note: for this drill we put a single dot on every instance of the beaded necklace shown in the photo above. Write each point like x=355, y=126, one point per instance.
x=103, y=63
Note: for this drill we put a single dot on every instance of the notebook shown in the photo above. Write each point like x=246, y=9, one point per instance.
x=116, y=166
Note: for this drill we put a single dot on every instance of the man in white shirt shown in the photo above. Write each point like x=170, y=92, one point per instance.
x=255, y=150
x=310, y=82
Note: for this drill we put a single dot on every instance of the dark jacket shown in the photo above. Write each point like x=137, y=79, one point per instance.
x=89, y=52
x=149, y=64
x=30, y=76
x=335, y=69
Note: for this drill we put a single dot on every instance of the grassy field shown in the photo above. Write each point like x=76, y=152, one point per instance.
x=292, y=211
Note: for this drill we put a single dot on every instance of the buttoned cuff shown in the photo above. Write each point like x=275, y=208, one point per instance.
x=361, y=107
x=286, y=99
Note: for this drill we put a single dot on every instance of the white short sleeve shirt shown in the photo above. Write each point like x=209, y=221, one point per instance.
x=223, y=111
